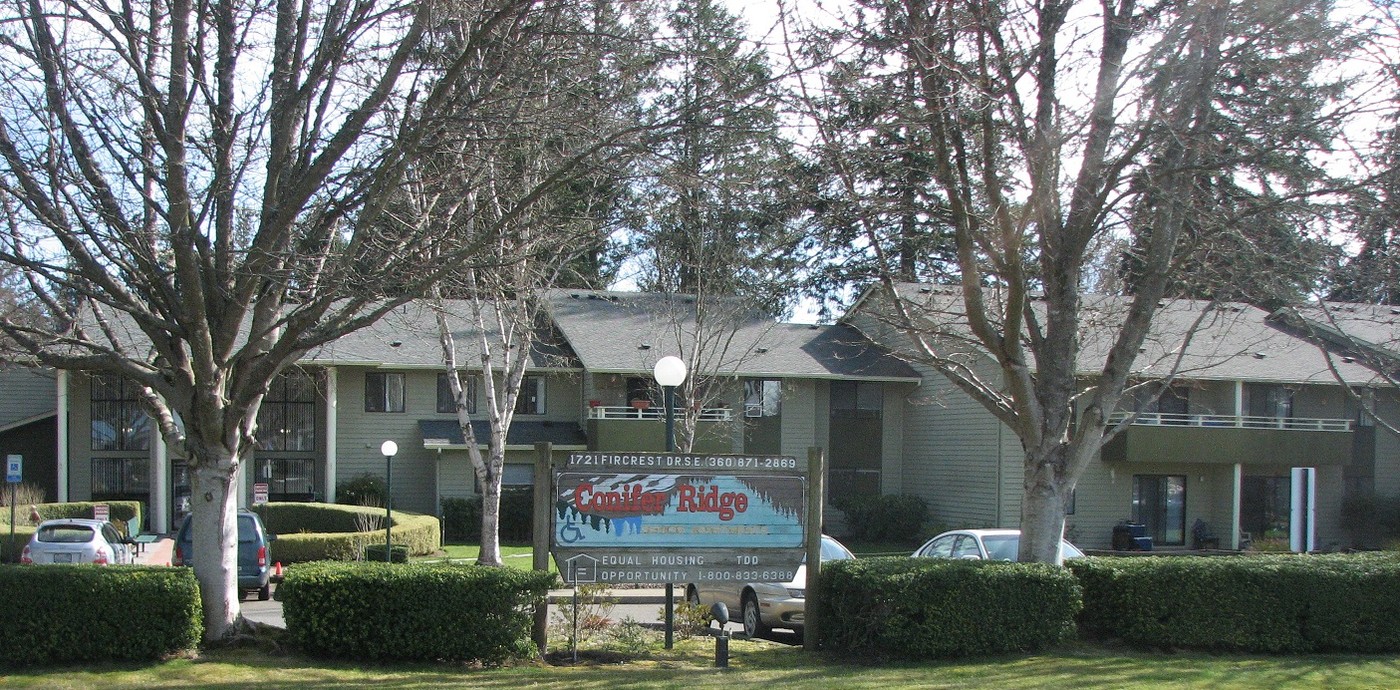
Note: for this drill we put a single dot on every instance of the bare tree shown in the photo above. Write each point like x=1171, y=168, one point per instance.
x=1044, y=122
x=204, y=192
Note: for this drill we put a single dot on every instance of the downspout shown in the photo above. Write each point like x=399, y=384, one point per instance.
x=332, y=381
x=61, y=381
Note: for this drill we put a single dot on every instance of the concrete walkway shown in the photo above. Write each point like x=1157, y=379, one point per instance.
x=620, y=596
x=158, y=552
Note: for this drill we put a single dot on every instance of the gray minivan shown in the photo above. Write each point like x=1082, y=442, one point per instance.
x=253, y=567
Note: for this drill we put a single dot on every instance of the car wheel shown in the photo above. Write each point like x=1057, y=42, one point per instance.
x=692, y=596
x=753, y=620
x=242, y=594
x=265, y=593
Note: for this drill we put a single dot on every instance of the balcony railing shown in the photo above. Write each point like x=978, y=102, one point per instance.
x=1234, y=422
x=655, y=412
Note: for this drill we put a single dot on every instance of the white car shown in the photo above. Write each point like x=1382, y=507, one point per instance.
x=77, y=540
x=765, y=605
x=983, y=544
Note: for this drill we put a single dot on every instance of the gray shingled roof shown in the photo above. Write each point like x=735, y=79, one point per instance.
x=627, y=332
x=1232, y=341
x=407, y=338
x=438, y=433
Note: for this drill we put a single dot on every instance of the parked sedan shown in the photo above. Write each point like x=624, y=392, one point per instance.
x=76, y=540
x=765, y=605
x=983, y=544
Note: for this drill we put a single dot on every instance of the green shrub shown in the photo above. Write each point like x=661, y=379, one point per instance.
x=891, y=518
x=461, y=520
x=1272, y=604
x=925, y=608
x=324, y=531
x=364, y=490
x=415, y=611
x=62, y=614
x=462, y=517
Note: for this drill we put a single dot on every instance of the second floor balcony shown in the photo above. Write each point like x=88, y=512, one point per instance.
x=1231, y=439
x=643, y=428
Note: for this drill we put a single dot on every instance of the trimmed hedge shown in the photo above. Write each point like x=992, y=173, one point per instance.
x=119, y=512
x=890, y=518
x=1272, y=604
x=915, y=608
x=461, y=517
x=327, y=531
x=417, y=611
x=61, y=614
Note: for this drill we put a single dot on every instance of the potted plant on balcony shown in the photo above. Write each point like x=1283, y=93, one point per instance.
x=641, y=404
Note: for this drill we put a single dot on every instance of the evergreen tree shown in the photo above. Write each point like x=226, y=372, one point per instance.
x=713, y=194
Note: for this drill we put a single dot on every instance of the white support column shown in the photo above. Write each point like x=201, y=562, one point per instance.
x=1239, y=403
x=61, y=381
x=332, y=380
x=1236, y=482
x=159, y=504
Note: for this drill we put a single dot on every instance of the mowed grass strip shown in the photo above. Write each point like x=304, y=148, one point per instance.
x=752, y=664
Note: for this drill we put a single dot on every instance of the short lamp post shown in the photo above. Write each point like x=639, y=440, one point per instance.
x=670, y=372
x=389, y=449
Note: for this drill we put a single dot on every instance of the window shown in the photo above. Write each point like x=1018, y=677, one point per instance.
x=1269, y=400
x=118, y=422
x=531, y=400
x=287, y=418
x=941, y=547
x=445, y=403
x=288, y=479
x=763, y=398
x=1266, y=506
x=119, y=479
x=384, y=392
x=1159, y=503
x=642, y=389
x=857, y=395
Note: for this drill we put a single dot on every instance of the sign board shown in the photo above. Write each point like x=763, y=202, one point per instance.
x=101, y=512
x=259, y=493
x=14, y=468
x=658, y=518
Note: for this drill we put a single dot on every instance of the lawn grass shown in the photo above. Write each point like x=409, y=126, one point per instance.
x=752, y=664
x=513, y=556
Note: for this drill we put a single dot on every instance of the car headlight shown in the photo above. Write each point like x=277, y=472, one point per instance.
x=797, y=592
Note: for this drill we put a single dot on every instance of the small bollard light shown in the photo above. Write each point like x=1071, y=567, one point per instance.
x=720, y=613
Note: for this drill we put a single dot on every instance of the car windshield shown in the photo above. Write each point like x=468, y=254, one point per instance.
x=65, y=534
x=1002, y=547
x=832, y=551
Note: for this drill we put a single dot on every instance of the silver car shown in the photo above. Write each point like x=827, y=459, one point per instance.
x=765, y=605
x=77, y=540
x=983, y=544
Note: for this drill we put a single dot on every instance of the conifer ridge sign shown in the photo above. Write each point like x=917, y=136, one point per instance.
x=655, y=518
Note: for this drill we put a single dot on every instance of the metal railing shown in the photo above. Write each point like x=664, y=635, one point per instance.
x=655, y=412
x=1234, y=422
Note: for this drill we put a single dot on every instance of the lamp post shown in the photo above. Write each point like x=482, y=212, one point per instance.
x=670, y=372
x=389, y=449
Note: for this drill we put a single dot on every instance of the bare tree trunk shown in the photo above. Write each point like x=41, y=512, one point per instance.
x=214, y=522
